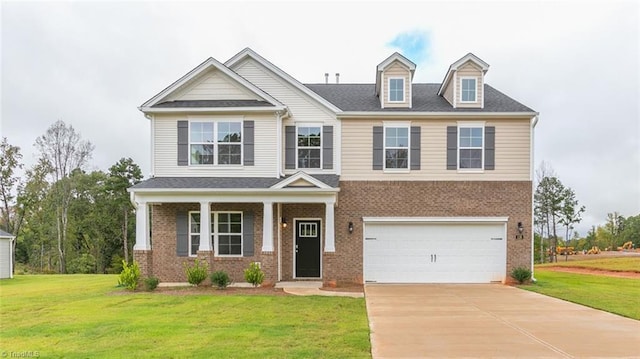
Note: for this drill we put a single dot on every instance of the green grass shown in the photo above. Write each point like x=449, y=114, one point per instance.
x=620, y=264
x=79, y=316
x=615, y=295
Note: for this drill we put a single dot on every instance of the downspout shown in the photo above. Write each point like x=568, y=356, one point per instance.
x=534, y=122
x=279, y=210
x=152, y=144
x=279, y=172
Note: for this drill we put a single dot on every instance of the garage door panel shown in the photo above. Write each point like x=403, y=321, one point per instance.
x=434, y=252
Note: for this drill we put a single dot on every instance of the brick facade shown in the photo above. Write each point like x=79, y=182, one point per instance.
x=356, y=199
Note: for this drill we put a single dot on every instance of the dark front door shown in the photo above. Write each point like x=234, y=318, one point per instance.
x=307, y=249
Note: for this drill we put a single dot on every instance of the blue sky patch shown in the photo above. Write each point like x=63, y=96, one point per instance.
x=414, y=45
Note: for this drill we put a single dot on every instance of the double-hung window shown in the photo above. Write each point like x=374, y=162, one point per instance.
x=468, y=89
x=194, y=233
x=215, y=142
x=396, y=147
x=470, y=147
x=309, y=146
x=396, y=89
x=229, y=233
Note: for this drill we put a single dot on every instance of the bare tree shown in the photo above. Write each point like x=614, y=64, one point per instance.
x=62, y=148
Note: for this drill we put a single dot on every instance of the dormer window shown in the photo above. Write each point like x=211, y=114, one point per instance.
x=468, y=90
x=396, y=89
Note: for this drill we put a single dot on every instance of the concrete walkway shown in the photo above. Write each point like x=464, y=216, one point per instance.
x=491, y=321
x=313, y=288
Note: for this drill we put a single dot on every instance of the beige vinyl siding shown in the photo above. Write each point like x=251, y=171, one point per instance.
x=166, y=149
x=467, y=70
x=448, y=92
x=303, y=109
x=213, y=85
x=396, y=70
x=511, y=159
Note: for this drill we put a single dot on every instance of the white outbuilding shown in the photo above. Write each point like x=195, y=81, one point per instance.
x=6, y=254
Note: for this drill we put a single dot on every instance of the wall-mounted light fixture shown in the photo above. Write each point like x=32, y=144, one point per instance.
x=284, y=222
x=520, y=234
x=350, y=227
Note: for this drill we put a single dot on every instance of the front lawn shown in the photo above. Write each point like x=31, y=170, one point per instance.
x=79, y=316
x=615, y=295
x=620, y=264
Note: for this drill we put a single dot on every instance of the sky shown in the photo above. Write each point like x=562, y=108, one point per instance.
x=91, y=64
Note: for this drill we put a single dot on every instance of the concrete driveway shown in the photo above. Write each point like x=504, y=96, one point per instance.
x=491, y=321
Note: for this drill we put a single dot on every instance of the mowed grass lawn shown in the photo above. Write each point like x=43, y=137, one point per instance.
x=616, y=295
x=619, y=264
x=82, y=316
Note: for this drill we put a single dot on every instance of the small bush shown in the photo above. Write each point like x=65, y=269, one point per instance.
x=129, y=276
x=220, y=279
x=197, y=273
x=521, y=274
x=151, y=283
x=254, y=274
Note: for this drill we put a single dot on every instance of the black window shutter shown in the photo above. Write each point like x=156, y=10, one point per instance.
x=378, y=147
x=247, y=234
x=452, y=147
x=290, y=147
x=247, y=140
x=489, y=148
x=327, y=147
x=182, y=234
x=183, y=143
x=415, y=147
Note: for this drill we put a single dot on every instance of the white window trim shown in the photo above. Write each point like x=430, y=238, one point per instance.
x=215, y=235
x=475, y=79
x=192, y=233
x=404, y=86
x=310, y=169
x=384, y=146
x=215, y=143
x=470, y=125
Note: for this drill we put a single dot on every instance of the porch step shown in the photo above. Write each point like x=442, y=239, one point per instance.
x=299, y=284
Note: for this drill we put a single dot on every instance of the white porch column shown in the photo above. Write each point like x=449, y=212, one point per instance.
x=205, y=226
x=267, y=227
x=142, y=227
x=329, y=232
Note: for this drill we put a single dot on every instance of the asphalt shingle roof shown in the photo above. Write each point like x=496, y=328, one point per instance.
x=362, y=97
x=212, y=103
x=5, y=234
x=222, y=182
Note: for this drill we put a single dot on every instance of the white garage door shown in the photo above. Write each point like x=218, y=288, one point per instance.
x=397, y=252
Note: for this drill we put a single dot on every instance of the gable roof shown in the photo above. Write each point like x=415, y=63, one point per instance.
x=198, y=70
x=454, y=67
x=226, y=183
x=247, y=52
x=301, y=176
x=396, y=56
x=4, y=234
x=361, y=98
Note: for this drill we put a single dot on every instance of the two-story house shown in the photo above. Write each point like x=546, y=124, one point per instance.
x=391, y=181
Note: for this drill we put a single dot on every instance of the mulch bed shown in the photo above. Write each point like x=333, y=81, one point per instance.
x=208, y=290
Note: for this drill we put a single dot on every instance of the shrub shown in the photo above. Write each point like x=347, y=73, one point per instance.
x=129, y=276
x=151, y=283
x=220, y=279
x=254, y=274
x=85, y=264
x=197, y=273
x=521, y=274
x=115, y=266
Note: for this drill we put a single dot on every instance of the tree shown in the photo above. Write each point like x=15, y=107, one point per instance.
x=64, y=151
x=614, y=225
x=10, y=186
x=631, y=230
x=540, y=215
x=548, y=200
x=569, y=213
x=122, y=175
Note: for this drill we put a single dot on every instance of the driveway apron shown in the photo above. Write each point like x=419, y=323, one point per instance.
x=491, y=321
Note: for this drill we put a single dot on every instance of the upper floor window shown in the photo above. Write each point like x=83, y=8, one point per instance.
x=396, y=147
x=396, y=90
x=468, y=90
x=215, y=142
x=309, y=147
x=470, y=147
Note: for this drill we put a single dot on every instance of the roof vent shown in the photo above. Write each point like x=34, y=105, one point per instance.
x=326, y=78
x=337, y=77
